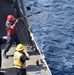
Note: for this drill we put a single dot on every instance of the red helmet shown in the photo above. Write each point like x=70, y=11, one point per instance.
x=10, y=18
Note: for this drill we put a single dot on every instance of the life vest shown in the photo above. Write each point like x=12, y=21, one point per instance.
x=17, y=62
x=11, y=31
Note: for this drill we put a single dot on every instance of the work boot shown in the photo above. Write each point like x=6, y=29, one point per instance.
x=5, y=56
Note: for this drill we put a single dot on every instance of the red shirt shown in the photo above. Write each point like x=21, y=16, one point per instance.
x=9, y=30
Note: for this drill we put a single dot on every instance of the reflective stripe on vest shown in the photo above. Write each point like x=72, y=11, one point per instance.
x=17, y=62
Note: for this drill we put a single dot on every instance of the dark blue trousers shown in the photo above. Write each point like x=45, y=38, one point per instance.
x=21, y=71
x=11, y=39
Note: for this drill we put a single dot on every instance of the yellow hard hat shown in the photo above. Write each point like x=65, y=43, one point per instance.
x=20, y=47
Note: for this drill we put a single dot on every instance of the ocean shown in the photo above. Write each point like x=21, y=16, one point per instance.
x=53, y=30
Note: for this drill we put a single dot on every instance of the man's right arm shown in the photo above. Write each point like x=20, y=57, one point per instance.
x=12, y=26
x=23, y=58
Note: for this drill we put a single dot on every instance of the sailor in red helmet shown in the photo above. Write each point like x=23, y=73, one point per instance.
x=11, y=33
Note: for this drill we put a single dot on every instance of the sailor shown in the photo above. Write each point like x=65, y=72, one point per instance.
x=12, y=35
x=20, y=57
x=2, y=41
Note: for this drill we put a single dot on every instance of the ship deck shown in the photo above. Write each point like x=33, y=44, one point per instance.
x=31, y=66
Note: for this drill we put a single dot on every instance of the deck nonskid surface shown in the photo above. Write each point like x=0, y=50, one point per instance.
x=32, y=68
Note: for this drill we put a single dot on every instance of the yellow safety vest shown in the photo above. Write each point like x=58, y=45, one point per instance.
x=17, y=62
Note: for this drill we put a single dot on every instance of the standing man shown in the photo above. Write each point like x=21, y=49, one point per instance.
x=20, y=57
x=2, y=41
x=11, y=33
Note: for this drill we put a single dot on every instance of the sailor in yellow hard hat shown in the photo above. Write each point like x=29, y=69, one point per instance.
x=20, y=56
